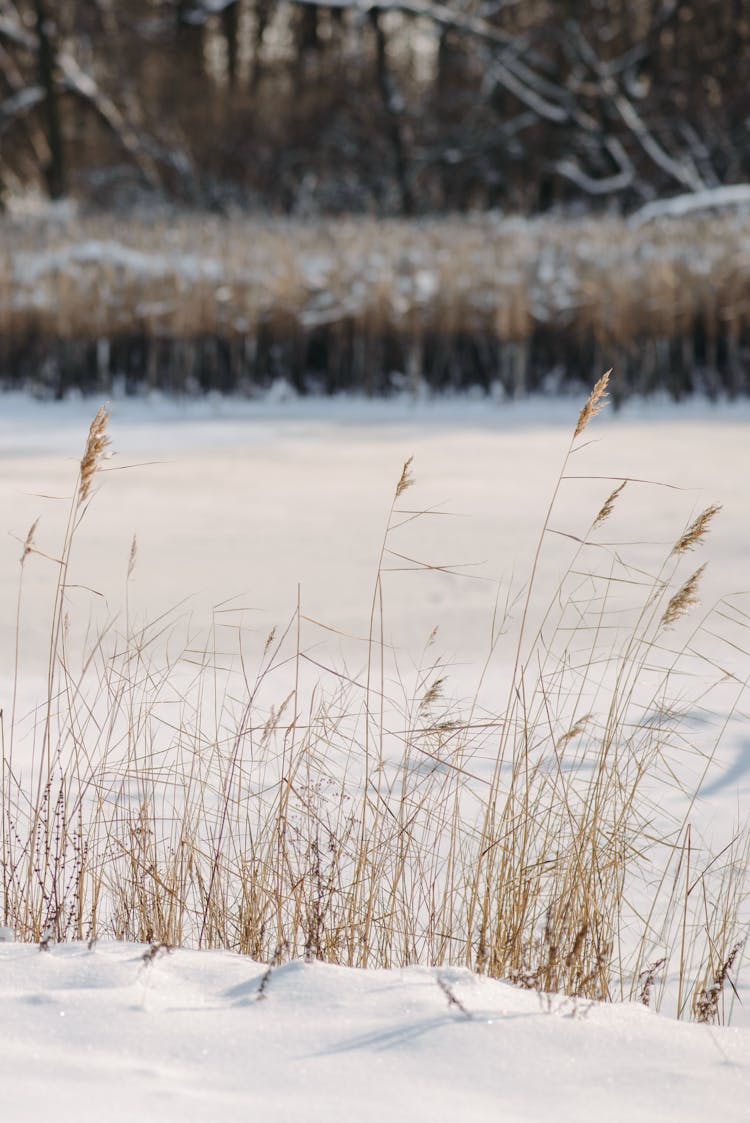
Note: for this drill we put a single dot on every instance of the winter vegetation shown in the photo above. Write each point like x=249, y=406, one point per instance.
x=240, y=793
x=445, y=815
x=364, y=196
x=190, y=303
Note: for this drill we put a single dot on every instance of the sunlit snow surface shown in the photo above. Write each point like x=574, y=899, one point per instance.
x=243, y=506
x=92, y=1035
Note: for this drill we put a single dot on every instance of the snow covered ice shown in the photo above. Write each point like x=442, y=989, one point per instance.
x=249, y=499
x=100, y=1034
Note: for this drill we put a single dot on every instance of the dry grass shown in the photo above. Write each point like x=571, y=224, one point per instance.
x=366, y=818
x=185, y=300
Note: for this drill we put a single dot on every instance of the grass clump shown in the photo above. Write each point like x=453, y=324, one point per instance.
x=270, y=806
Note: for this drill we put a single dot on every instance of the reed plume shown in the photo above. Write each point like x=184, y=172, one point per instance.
x=608, y=506
x=407, y=480
x=96, y=446
x=697, y=530
x=370, y=819
x=596, y=402
x=683, y=600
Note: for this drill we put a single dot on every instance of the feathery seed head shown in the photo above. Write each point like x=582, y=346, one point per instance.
x=596, y=402
x=406, y=479
x=696, y=531
x=432, y=694
x=96, y=446
x=684, y=599
x=575, y=731
x=608, y=506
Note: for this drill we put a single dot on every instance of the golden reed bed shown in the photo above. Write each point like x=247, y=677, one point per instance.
x=195, y=301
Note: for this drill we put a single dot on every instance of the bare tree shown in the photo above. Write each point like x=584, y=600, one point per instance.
x=363, y=102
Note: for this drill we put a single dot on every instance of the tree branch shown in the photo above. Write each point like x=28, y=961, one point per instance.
x=20, y=103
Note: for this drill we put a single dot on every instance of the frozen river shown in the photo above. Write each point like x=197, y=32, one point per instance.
x=238, y=505
x=241, y=500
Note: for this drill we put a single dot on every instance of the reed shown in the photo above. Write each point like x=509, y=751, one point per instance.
x=281, y=809
x=233, y=304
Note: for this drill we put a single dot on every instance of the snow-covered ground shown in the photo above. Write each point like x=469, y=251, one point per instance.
x=239, y=504
x=243, y=500
x=91, y=1035
x=235, y=504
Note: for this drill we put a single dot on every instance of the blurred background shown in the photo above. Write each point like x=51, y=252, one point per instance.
x=348, y=195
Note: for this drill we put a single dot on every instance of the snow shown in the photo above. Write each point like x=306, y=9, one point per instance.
x=239, y=504
x=245, y=499
x=98, y=254
x=100, y=1033
x=733, y=195
x=240, y=499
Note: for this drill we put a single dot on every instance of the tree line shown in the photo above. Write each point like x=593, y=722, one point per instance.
x=399, y=107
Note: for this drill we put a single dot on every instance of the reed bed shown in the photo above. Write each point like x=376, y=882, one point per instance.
x=189, y=302
x=254, y=800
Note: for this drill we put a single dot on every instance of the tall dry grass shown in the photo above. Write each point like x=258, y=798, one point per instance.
x=185, y=301
x=279, y=808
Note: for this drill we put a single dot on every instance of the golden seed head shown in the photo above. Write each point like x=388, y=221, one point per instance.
x=595, y=404
x=684, y=599
x=696, y=531
x=608, y=507
x=406, y=480
x=432, y=694
x=96, y=446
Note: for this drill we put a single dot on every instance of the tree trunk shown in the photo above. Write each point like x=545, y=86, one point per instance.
x=263, y=13
x=55, y=171
x=392, y=111
x=230, y=21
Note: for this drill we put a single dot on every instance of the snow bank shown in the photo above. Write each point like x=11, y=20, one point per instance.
x=101, y=1033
